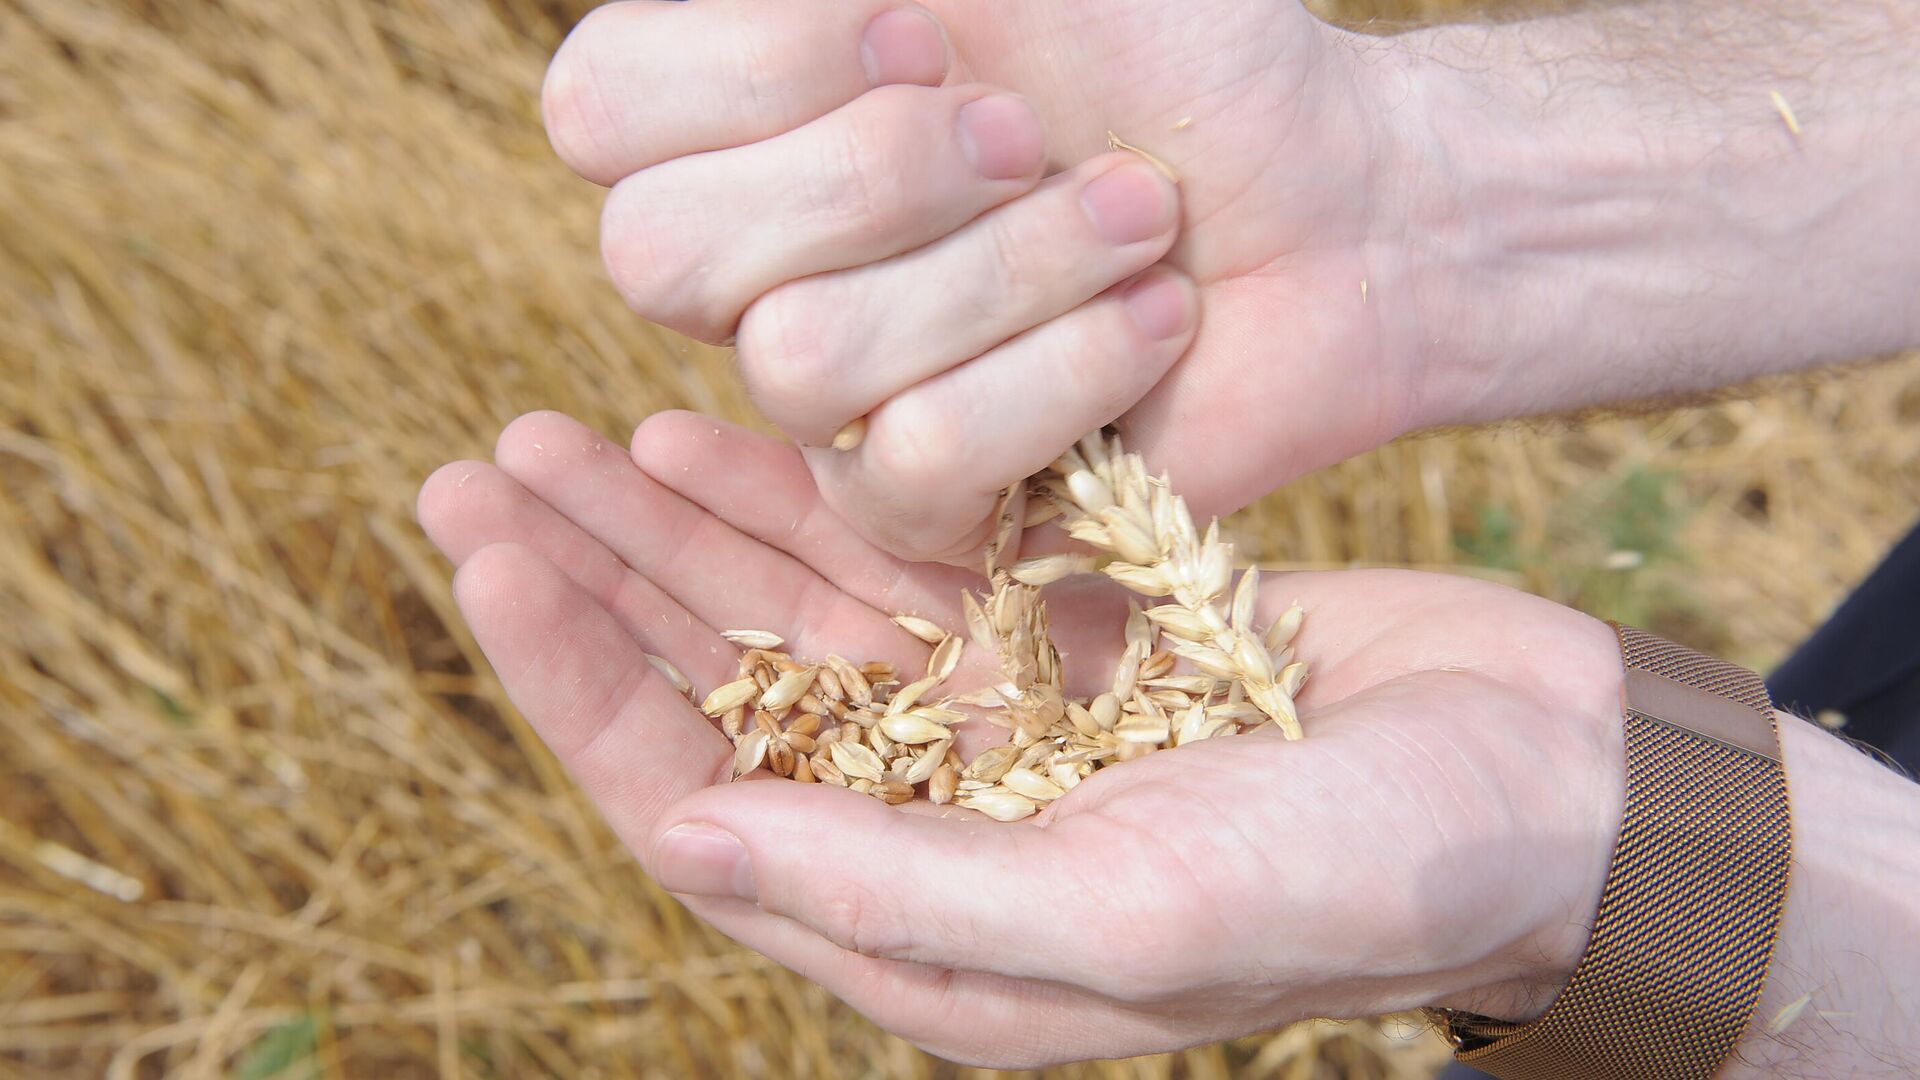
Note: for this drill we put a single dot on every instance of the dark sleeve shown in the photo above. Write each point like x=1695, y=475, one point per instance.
x=1864, y=662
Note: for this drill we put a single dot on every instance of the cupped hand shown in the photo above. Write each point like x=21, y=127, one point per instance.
x=910, y=214
x=1439, y=835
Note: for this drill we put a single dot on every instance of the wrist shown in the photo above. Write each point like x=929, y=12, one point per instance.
x=1846, y=967
x=1592, y=216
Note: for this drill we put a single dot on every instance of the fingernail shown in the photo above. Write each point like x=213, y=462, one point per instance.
x=1128, y=204
x=1159, y=306
x=904, y=45
x=1001, y=137
x=704, y=860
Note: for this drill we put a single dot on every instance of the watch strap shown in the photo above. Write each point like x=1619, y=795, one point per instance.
x=1691, y=906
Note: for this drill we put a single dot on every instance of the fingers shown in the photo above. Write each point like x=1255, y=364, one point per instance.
x=977, y=1019
x=965, y=894
x=926, y=478
x=636, y=84
x=761, y=487
x=618, y=726
x=687, y=241
x=722, y=577
x=822, y=350
x=469, y=505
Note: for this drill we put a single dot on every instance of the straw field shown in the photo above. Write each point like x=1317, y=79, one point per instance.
x=263, y=809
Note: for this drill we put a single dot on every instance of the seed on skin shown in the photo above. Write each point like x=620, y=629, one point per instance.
x=754, y=639
x=734, y=722
x=925, y=629
x=992, y=763
x=1128, y=540
x=851, y=434
x=893, y=792
x=1000, y=805
x=909, y=694
x=877, y=669
x=913, y=728
x=1031, y=784
x=1284, y=627
x=1245, y=595
x=1180, y=622
x=1105, y=710
x=853, y=683
x=786, y=690
x=929, y=761
x=1082, y=720
x=1064, y=774
x=1039, y=511
x=1198, y=685
x=827, y=684
x=827, y=772
x=1144, y=580
x=1255, y=666
x=780, y=757
x=940, y=786
x=861, y=784
x=1032, y=756
x=1047, y=569
x=1142, y=729
x=665, y=667
x=858, y=761
x=946, y=657
x=726, y=697
x=751, y=751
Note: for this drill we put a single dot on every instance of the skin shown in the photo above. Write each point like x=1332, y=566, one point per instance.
x=1440, y=836
x=1369, y=235
x=980, y=324
x=575, y=556
x=908, y=213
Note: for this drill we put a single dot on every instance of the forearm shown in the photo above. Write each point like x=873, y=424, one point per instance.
x=1610, y=205
x=1844, y=984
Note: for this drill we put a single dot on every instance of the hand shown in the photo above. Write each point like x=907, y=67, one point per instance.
x=1204, y=892
x=915, y=221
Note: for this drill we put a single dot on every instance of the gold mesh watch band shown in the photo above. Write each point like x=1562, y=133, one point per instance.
x=1691, y=905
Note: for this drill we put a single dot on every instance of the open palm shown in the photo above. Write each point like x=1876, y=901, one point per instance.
x=1208, y=891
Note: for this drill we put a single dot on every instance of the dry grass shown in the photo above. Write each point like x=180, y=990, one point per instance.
x=263, y=264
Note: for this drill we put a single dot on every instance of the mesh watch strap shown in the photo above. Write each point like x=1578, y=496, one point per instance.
x=1691, y=904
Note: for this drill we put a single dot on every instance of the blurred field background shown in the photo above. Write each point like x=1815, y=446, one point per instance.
x=264, y=811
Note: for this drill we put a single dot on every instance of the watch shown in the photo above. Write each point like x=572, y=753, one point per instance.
x=1691, y=907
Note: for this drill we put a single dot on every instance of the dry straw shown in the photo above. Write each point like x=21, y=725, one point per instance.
x=265, y=264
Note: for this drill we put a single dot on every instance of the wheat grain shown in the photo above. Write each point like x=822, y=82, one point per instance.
x=857, y=726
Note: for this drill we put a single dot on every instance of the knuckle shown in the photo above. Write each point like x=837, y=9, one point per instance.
x=873, y=175
x=656, y=268
x=926, y=438
x=1017, y=261
x=854, y=917
x=787, y=346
